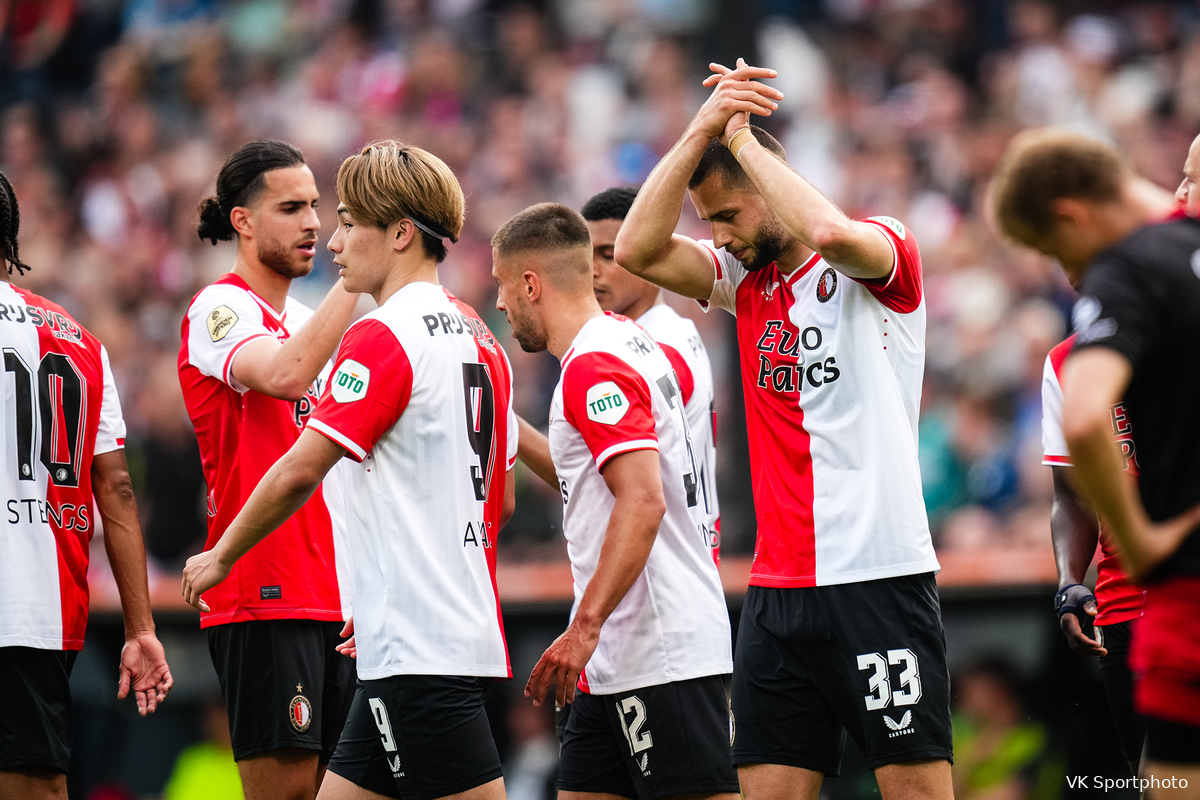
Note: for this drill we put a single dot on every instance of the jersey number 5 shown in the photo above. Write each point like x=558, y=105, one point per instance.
x=480, y=400
x=55, y=414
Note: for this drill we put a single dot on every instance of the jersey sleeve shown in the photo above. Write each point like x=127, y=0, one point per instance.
x=221, y=321
x=728, y=274
x=110, y=435
x=687, y=384
x=1054, y=446
x=608, y=402
x=901, y=290
x=368, y=390
x=1117, y=309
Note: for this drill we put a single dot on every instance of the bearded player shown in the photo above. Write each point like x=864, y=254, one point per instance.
x=841, y=628
x=249, y=366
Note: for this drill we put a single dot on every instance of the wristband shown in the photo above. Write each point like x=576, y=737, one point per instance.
x=1070, y=600
x=740, y=139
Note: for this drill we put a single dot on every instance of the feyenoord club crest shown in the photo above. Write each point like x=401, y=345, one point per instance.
x=300, y=711
x=827, y=285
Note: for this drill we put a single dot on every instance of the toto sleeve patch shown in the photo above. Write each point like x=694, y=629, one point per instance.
x=350, y=382
x=606, y=403
x=891, y=223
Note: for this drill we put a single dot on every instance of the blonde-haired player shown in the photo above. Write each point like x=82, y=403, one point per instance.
x=420, y=400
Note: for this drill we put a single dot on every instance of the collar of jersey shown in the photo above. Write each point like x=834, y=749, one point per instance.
x=233, y=279
x=803, y=269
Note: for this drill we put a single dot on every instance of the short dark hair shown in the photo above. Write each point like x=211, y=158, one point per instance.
x=544, y=227
x=240, y=182
x=718, y=159
x=10, y=224
x=612, y=203
x=1045, y=164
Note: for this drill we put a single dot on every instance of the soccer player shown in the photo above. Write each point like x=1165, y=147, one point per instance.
x=1077, y=200
x=648, y=644
x=420, y=400
x=841, y=628
x=62, y=442
x=249, y=365
x=1186, y=194
x=1075, y=532
x=624, y=293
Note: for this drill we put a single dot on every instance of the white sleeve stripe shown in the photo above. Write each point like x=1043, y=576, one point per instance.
x=337, y=436
x=625, y=447
x=895, y=253
x=227, y=375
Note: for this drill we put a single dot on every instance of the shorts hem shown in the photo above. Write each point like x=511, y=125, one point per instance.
x=912, y=755
x=247, y=751
x=784, y=761
x=9, y=764
x=428, y=794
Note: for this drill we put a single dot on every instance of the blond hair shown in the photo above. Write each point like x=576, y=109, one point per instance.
x=1045, y=164
x=390, y=180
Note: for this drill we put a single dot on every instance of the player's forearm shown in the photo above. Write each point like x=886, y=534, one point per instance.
x=632, y=529
x=123, y=543
x=302, y=356
x=806, y=214
x=533, y=448
x=647, y=232
x=1074, y=531
x=285, y=488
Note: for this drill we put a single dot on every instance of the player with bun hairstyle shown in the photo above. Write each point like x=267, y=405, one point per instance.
x=59, y=371
x=252, y=365
x=420, y=402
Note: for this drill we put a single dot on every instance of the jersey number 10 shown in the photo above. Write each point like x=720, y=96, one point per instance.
x=55, y=414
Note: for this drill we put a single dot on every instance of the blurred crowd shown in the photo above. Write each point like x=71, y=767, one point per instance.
x=115, y=116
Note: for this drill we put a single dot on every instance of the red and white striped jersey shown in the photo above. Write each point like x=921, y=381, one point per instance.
x=681, y=342
x=292, y=574
x=1117, y=600
x=421, y=398
x=60, y=409
x=618, y=393
x=831, y=369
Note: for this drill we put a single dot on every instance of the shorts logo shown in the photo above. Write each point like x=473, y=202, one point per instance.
x=900, y=728
x=827, y=285
x=350, y=382
x=891, y=224
x=606, y=403
x=220, y=322
x=300, y=711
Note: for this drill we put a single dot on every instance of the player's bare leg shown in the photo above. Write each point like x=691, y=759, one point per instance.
x=1180, y=773
x=604, y=796
x=779, y=782
x=916, y=780
x=288, y=773
x=32, y=783
x=335, y=787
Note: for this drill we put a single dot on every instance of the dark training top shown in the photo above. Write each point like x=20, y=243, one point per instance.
x=1141, y=298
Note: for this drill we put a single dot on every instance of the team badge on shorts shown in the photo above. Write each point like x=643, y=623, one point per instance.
x=827, y=285
x=300, y=711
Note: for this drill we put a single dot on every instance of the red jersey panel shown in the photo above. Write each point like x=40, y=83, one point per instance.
x=292, y=573
x=60, y=410
x=1117, y=599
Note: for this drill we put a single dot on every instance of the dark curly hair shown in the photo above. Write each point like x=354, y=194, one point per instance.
x=10, y=223
x=240, y=182
x=612, y=203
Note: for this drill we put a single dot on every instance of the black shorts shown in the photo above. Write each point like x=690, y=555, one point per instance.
x=813, y=663
x=35, y=714
x=284, y=684
x=1118, y=687
x=417, y=737
x=1172, y=743
x=651, y=742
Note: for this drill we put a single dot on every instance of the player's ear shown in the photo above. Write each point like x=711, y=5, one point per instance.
x=1074, y=213
x=531, y=285
x=242, y=219
x=405, y=234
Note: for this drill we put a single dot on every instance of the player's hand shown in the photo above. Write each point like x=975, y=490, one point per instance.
x=201, y=573
x=144, y=667
x=737, y=92
x=561, y=664
x=348, y=648
x=1073, y=630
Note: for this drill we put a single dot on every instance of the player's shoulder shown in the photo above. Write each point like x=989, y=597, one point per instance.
x=45, y=313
